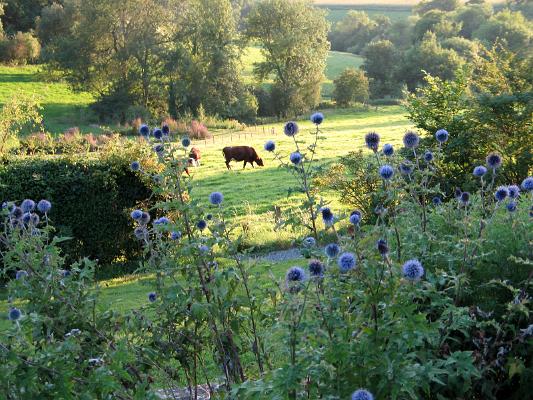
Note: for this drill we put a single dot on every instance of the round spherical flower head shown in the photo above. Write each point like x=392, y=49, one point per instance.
x=14, y=314
x=209, y=217
x=136, y=214
x=64, y=273
x=144, y=130
x=185, y=142
x=135, y=166
x=501, y=193
x=140, y=232
x=317, y=118
x=464, y=198
x=175, y=235
x=383, y=247
x=26, y=218
x=527, y=184
x=494, y=160
x=44, y=206
x=372, y=141
x=27, y=205
x=161, y=221
x=479, y=171
x=442, y=135
x=34, y=219
x=152, y=297
x=511, y=207
x=355, y=217
x=270, y=146
x=362, y=394
x=428, y=156
x=201, y=224
x=295, y=274
x=388, y=150
x=346, y=262
x=413, y=270
x=16, y=212
x=411, y=140
x=203, y=249
x=437, y=201
x=165, y=129
x=158, y=133
x=216, y=198
x=309, y=241
x=21, y=274
x=291, y=128
x=514, y=191
x=332, y=250
x=386, y=171
x=458, y=193
x=159, y=149
x=296, y=158
x=145, y=218
x=316, y=268
x=327, y=216
x=406, y=168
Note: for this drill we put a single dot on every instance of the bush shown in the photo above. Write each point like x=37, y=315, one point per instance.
x=197, y=130
x=21, y=49
x=80, y=187
x=351, y=86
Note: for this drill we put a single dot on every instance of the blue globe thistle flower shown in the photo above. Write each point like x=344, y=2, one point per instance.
x=16, y=212
x=186, y=142
x=21, y=274
x=346, y=262
x=158, y=133
x=309, y=242
x=355, y=217
x=65, y=273
x=135, y=166
x=140, y=232
x=161, y=221
x=511, y=206
x=165, y=129
x=216, y=198
x=372, y=141
x=44, y=206
x=296, y=158
x=27, y=205
x=201, y=224
x=362, y=394
x=26, y=218
x=388, y=150
x=291, y=128
x=176, y=235
x=406, y=168
x=479, y=171
x=494, y=160
x=413, y=270
x=270, y=146
x=144, y=130
x=14, y=314
x=411, y=140
x=383, y=247
x=428, y=156
x=209, y=217
x=327, y=216
x=386, y=171
x=136, y=214
x=437, y=201
x=527, y=184
x=316, y=269
x=203, y=249
x=514, y=191
x=441, y=135
x=332, y=250
x=34, y=219
x=145, y=218
x=294, y=279
x=152, y=297
x=317, y=118
x=159, y=149
x=464, y=198
x=501, y=193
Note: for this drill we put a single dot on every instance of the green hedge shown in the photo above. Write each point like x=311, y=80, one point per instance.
x=91, y=198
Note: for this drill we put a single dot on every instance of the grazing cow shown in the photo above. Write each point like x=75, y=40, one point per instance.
x=241, y=153
x=194, y=157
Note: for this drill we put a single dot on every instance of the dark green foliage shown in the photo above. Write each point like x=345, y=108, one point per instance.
x=381, y=62
x=20, y=49
x=20, y=15
x=91, y=198
x=351, y=86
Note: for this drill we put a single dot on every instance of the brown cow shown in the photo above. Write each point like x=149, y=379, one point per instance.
x=194, y=157
x=241, y=153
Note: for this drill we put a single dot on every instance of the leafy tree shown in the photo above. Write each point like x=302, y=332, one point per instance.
x=426, y=23
x=467, y=49
x=472, y=17
x=380, y=63
x=400, y=33
x=293, y=36
x=506, y=25
x=351, y=86
x=18, y=113
x=20, y=15
x=429, y=5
